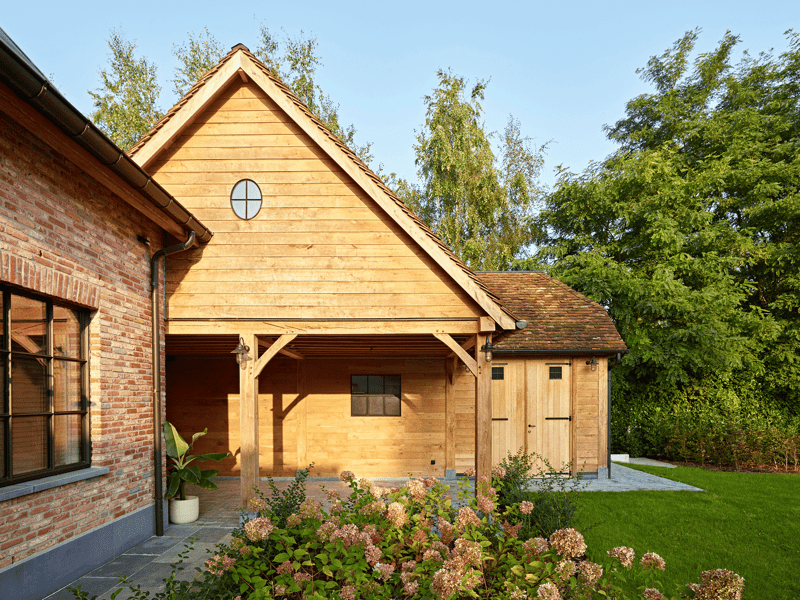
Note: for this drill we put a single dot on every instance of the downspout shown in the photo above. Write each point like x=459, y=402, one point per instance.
x=608, y=413
x=159, y=493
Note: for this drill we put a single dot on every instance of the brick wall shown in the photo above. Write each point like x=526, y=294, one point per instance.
x=64, y=235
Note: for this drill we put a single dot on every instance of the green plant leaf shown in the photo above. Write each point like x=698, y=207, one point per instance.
x=176, y=445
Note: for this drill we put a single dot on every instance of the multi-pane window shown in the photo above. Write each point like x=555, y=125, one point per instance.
x=246, y=199
x=44, y=423
x=375, y=395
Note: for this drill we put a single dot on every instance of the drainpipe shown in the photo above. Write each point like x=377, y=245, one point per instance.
x=608, y=413
x=159, y=493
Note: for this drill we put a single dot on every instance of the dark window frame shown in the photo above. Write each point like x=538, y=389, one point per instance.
x=556, y=373
x=498, y=373
x=49, y=356
x=370, y=396
x=247, y=201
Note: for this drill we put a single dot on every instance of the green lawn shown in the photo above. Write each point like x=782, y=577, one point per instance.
x=746, y=522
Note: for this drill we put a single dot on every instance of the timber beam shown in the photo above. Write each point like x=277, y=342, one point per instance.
x=321, y=327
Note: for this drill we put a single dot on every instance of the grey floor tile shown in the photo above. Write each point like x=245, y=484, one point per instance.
x=126, y=564
x=155, y=545
x=91, y=585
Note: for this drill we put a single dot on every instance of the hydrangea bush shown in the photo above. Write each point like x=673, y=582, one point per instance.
x=414, y=542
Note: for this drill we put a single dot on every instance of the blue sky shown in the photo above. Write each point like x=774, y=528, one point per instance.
x=564, y=69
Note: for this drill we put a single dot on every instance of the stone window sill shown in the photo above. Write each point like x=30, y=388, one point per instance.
x=46, y=483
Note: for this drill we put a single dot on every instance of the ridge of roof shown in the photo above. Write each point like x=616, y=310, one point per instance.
x=341, y=145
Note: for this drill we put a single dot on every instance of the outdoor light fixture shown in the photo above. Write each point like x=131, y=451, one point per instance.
x=592, y=363
x=487, y=349
x=241, y=353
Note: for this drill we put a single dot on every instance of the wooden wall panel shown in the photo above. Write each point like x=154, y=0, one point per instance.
x=203, y=392
x=319, y=247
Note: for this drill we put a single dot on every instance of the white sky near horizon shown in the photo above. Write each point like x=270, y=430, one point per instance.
x=563, y=69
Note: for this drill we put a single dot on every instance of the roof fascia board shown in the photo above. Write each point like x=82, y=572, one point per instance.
x=378, y=195
x=185, y=116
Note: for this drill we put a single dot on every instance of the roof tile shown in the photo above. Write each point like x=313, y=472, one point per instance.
x=559, y=318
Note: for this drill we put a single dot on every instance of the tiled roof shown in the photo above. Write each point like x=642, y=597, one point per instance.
x=559, y=318
x=324, y=129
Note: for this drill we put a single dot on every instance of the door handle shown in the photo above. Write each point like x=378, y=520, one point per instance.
x=558, y=418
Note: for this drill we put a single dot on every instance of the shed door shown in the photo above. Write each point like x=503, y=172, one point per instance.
x=549, y=403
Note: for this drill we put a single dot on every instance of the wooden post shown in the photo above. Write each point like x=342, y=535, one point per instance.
x=248, y=422
x=302, y=420
x=483, y=411
x=450, y=366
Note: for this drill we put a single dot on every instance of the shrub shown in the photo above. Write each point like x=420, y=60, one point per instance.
x=412, y=542
x=550, y=499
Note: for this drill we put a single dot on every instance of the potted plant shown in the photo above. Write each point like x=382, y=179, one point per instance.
x=179, y=471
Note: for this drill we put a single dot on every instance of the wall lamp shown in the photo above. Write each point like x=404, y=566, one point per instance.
x=241, y=353
x=487, y=349
x=593, y=364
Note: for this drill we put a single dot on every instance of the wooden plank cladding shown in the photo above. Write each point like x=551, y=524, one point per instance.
x=319, y=247
x=304, y=409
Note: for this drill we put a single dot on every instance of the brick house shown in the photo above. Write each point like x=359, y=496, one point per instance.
x=79, y=224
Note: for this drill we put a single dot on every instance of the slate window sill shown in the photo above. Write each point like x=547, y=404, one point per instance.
x=46, y=483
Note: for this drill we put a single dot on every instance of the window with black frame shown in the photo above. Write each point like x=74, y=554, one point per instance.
x=44, y=424
x=375, y=395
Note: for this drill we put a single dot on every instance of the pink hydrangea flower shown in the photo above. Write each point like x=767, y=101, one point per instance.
x=651, y=561
x=568, y=542
x=526, y=507
x=548, y=591
x=258, y=529
x=624, y=555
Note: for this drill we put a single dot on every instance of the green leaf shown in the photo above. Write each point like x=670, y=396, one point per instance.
x=176, y=446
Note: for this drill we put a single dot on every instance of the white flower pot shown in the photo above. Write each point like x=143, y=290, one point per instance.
x=184, y=511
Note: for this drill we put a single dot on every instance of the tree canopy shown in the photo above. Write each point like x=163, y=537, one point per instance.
x=689, y=233
x=126, y=103
x=480, y=207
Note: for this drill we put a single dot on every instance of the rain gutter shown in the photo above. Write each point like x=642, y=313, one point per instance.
x=26, y=81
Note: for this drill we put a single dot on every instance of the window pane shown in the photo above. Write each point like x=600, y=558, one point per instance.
x=28, y=325
x=240, y=208
x=498, y=373
x=3, y=447
x=30, y=444
x=239, y=191
x=66, y=332
x=253, y=193
x=358, y=384
x=67, y=439
x=253, y=206
x=358, y=406
x=2, y=323
x=28, y=385
x=391, y=385
x=375, y=384
x=392, y=406
x=66, y=385
x=376, y=405
x=555, y=372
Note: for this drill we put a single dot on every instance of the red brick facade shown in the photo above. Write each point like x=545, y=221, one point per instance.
x=63, y=235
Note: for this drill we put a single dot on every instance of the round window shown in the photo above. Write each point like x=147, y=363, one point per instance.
x=246, y=199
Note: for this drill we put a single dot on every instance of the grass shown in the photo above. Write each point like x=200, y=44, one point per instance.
x=748, y=523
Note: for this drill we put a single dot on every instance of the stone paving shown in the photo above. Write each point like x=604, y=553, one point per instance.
x=149, y=563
